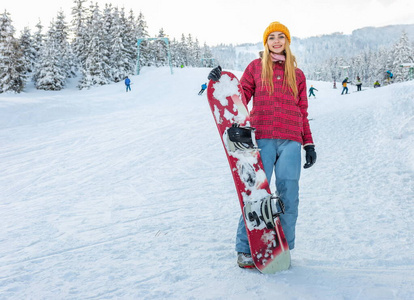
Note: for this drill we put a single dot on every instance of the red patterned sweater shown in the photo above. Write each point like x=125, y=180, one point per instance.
x=280, y=115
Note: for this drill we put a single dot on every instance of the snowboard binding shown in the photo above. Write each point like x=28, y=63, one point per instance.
x=241, y=138
x=267, y=211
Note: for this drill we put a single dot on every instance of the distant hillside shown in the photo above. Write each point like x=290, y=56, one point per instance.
x=314, y=51
x=381, y=36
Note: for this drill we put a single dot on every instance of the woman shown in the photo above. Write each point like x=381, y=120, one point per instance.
x=280, y=116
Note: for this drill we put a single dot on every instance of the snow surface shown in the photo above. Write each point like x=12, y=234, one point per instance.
x=113, y=195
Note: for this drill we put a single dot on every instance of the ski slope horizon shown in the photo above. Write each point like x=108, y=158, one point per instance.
x=113, y=195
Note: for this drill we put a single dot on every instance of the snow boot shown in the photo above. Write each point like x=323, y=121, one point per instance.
x=245, y=260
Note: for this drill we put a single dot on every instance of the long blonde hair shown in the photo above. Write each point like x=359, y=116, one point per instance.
x=289, y=80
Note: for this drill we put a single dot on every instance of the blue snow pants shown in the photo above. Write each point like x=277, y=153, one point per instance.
x=284, y=158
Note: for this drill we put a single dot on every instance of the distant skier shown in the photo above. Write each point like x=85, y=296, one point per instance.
x=377, y=84
x=311, y=91
x=359, y=84
x=128, y=84
x=389, y=76
x=344, y=85
x=203, y=88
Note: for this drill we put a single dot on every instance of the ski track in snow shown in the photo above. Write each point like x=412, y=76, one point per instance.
x=113, y=195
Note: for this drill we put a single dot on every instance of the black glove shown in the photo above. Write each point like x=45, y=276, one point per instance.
x=310, y=156
x=215, y=74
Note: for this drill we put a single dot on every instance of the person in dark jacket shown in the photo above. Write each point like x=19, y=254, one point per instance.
x=389, y=76
x=344, y=85
x=128, y=84
x=359, y=84
x=311, y=93
x=280, y=116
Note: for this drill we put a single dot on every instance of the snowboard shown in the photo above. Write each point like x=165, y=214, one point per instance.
x=268, y=245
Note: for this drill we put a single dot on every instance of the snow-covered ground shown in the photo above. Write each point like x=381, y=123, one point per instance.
x=113, y=195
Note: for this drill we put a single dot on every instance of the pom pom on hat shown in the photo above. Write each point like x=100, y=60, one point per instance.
x=275, y=26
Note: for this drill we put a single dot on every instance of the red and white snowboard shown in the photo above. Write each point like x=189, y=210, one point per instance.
x=268, y=246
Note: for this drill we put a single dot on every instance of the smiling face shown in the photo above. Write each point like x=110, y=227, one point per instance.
x=276, y=42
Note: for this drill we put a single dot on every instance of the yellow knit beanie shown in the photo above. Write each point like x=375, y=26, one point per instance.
x=275, y=26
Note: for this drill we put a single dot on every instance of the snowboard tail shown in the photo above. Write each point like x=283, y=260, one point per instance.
x=268, y=245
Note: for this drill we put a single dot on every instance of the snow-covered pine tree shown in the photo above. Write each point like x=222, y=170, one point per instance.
x=37, y=45
x=175, y=61
x=207, y=56
x=160, y=55
x=142, y=32
x=55, y=61
x=118, y=60
x=12, y=64
x=129, y=42
x=79, y=28
x=131, y=39
x=368, y=68
x=325, y=72
x=336, y=73
x=108, y=23
x=332, y=70
x=190, y=51
x=196, y=53
x=29, y=53
x=379, y=62
x=108, y=19
x=96, y=68
x=357, y=66
x=50, y=72
x=402, y=53
x=182, y=51
x=61, y=38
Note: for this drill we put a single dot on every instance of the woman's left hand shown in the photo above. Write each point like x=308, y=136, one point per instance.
x=310, y=156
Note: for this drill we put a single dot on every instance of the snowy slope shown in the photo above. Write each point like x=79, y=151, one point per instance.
x=113, y=195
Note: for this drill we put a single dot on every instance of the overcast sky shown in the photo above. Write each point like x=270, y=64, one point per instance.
x=233, y=21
